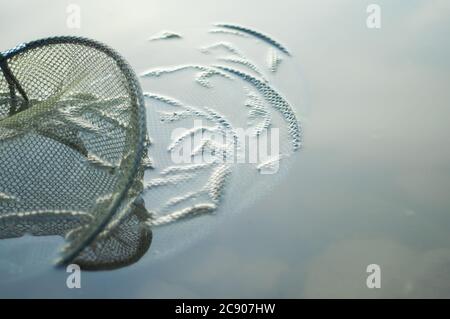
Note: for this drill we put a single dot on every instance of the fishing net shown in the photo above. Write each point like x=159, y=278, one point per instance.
x=73, y=150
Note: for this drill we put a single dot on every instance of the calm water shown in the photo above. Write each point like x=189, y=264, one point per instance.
x=370, y=185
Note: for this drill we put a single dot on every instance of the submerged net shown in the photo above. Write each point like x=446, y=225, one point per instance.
x=210, y=98
x=73, y=150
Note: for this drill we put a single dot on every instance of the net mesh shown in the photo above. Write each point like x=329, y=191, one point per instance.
x=72, y=150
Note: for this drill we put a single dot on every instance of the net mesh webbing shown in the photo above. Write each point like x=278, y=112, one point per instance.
x=72, y=147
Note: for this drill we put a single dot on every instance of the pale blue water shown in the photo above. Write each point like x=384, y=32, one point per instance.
x=370, y=185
